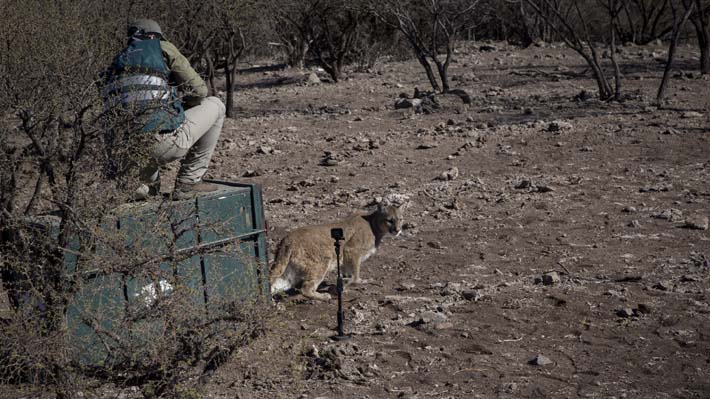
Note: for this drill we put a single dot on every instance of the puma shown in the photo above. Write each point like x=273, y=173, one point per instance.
x=306, y=255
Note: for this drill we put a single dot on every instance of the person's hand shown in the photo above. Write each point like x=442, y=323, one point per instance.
x=191, y=101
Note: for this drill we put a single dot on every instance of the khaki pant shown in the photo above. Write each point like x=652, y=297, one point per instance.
x=193, y=142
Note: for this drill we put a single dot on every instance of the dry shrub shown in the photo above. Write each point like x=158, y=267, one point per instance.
x=94, y=299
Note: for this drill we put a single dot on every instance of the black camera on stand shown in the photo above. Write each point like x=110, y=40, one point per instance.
x=338, y=235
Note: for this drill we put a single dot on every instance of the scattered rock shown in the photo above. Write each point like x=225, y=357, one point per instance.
x=313, y=79
x=540, y=360
x=450, y=174
x=644, y=308
x=657, y=188
x=471, y=295
x=429, y=319
x=671, y=214
x=408, y=286
x=696, y=222
x=625, y=312
x=629, y=209
x=434, y=244
x=550, y=278
x=252, y=173
x=487, y=48
x=583, y=96
x=426, y=146
x=559, y=126
x=330, y=159
x=691, y=114
x=525, y=183
x=662, y=285
x=446, y=325
x=403, y=103
x=634, y=224
x=409, y=226
x=264, y=149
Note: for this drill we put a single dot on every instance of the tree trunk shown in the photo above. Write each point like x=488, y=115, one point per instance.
x=705, y=57
x=617, y=70
x=229, y=76
x=443, y=69
x=702, y=33
x=677, y=27
x=444, y=75
x=429, y=72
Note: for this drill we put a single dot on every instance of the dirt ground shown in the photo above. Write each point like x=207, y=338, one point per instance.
x=612, y=197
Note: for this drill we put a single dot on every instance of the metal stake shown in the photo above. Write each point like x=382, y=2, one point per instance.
x=337, y=235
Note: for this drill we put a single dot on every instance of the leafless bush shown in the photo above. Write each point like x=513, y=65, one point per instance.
x=572, y=21
x=700, y=17
x=642, y=21
x=325, y=30
x=430, y=28
x=94, y=302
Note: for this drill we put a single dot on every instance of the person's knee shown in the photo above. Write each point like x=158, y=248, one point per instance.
x=220, y=105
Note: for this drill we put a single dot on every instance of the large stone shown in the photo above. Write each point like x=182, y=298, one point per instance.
x=551, y=278
x=403, y=103
x=625, y=312
x=692, y=114
x=559, y=126
x=671, y=214
x=540, y=360
x=471, y=295
x=313, y=79
x=450, y=174
x=697, y=222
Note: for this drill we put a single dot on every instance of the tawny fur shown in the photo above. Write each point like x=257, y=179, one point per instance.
x=306, y=255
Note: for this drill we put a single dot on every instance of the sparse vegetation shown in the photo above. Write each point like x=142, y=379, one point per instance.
x=62, y=192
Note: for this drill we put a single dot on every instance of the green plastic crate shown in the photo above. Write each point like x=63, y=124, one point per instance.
x=232, y=217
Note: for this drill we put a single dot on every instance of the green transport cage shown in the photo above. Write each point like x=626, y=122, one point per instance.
x=213, y=248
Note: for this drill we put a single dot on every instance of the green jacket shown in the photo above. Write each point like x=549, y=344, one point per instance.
x=183, y=75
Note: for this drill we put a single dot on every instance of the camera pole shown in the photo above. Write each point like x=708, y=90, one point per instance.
x=337, y=235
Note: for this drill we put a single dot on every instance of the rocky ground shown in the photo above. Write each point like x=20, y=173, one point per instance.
x=555, y=245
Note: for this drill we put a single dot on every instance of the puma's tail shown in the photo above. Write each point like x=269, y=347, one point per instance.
x=283, y=257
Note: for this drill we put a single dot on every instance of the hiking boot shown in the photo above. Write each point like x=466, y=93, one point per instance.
x=191, y=190
x=146, y=190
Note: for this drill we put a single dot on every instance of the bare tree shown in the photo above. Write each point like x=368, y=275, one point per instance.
x=326, y=30
x=644, y=20
x=572, y=25
x=678, y=22
x=334, y=32
x=58, y=213
x=291, y=23
x=430, y=28
x=700, y=18
x=228, y=44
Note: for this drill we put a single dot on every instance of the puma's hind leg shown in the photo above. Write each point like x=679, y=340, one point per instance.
x=310, y=286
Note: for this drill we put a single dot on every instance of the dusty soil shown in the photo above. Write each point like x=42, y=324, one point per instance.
x=614, y=199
